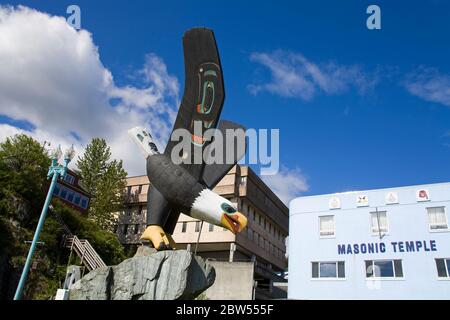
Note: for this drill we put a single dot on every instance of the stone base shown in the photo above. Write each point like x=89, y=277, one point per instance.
x=149, y=275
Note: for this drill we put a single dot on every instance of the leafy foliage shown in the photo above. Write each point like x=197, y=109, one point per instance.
x=105, y=180
x=23, y=186
x=93, y=164
x=23, y=169
x=105, y=242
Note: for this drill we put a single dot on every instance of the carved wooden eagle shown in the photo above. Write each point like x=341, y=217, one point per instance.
x=187, y=187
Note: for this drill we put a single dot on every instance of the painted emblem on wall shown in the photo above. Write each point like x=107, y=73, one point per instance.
x=422, y=195
x=391, y=197
x=334, y=203
x=362, y=200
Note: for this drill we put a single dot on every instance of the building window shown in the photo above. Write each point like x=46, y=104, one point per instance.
x=139, y=190
x=183, y=226
x=437, y=219
x=335, y=269
x=139, y=210
x=379, y=222
x=84, y=202
x=136, y=229
x=56, y=190
x=243, y=181
x=77, y=199
x=211, y=227
x=63, y=193
x=69, y=178
x=384, y=269
x=129, y=190
x=125, y=229
x=326, y=224
x=70, y=195
x=197, y=226
x=443, y=268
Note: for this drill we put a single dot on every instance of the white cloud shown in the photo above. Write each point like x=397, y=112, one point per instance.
x=430, y=85
x=292, y=75
x=287, y=183
x=51, y=76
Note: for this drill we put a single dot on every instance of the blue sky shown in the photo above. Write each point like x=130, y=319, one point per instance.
x=361, y=108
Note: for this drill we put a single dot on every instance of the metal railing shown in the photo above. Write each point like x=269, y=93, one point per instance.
x=89, y=257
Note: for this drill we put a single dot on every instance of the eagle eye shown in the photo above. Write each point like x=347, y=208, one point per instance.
x=227, y=208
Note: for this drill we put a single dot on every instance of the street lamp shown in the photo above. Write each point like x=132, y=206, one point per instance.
x=54, y=171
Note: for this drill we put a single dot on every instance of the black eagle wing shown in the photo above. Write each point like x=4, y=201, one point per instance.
x=202, y=100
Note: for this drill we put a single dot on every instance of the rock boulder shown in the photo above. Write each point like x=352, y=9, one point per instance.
x=149, y=275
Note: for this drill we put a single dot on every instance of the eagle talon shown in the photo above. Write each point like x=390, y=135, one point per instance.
x=158, y=238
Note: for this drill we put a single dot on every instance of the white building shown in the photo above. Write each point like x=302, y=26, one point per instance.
x=376, y=244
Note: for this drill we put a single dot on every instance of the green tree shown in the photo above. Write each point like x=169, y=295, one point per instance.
x=105, y=180
x=104, y=242
x=23, y=185
x=23, y=169
x=93, y=164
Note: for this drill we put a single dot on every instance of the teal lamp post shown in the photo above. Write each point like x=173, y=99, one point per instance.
x=54, y=172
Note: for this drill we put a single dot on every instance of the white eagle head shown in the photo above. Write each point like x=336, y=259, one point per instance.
x=212, y=208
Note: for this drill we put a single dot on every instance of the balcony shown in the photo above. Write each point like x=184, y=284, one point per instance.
x=135, y=197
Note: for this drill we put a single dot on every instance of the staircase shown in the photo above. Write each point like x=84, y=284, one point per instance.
x=89, y=257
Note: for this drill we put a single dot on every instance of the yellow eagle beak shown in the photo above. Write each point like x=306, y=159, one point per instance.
x=234, y=222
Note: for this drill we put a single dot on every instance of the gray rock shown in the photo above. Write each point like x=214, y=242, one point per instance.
x=145, y=251
x=149, y=275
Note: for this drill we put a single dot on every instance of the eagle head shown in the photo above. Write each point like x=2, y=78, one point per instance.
x=212, y=208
